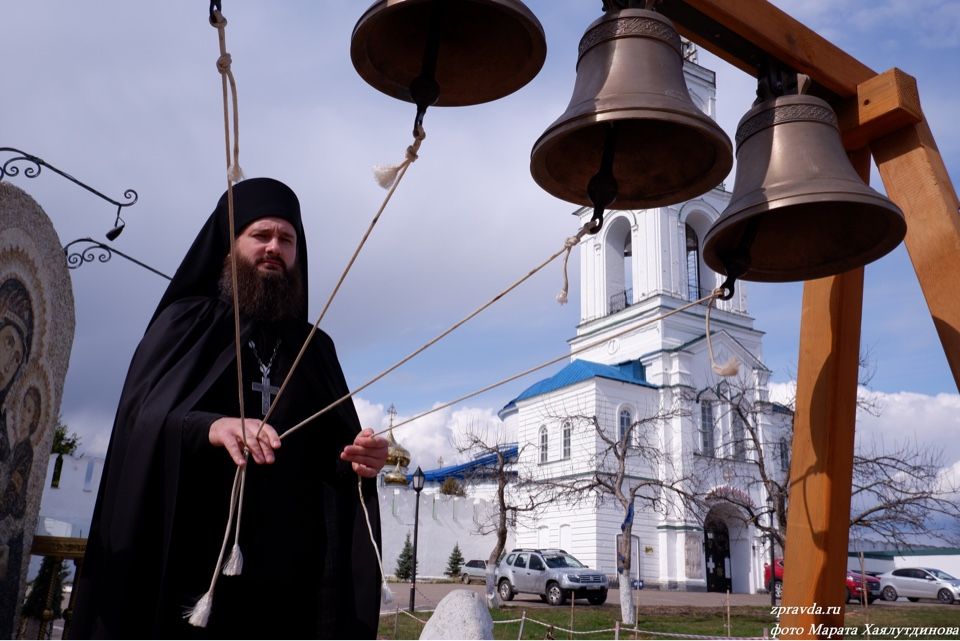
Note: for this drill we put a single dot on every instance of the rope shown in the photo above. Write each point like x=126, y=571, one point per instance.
x=386, y=594
x=732, y=366
x=199, y=614
x=570, y=243
x=440, y=336
x=574, y=352
x=401, y=172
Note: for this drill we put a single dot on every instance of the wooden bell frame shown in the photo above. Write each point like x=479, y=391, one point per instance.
x=879, y=114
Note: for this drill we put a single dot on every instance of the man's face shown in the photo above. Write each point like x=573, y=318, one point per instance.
x=269, y=244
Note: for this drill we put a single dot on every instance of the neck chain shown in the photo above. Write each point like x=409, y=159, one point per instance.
x=264, y=369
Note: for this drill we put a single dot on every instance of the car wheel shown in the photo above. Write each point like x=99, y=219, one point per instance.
x=598, y=599
x=944, y=596
x=555, y=595
x=506, y=590
x=889, y=593
x=913, y=599
x=465, y=578
x=848, y=595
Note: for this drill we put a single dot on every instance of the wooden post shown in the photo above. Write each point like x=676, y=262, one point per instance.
x=917, y=180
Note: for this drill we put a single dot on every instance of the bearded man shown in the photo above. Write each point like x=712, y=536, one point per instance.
x=309, y=568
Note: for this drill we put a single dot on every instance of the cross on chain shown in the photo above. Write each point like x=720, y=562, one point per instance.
x=267, y=391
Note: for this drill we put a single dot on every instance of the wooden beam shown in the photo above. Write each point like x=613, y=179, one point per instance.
x=917, y=181
x=742, y=32
x=821, y=469
x=885, y=103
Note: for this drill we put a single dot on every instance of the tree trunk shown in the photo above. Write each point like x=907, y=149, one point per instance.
x=628, y=612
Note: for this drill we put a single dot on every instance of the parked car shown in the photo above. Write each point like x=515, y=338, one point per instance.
x=854, y=583
x=474, y=570
x=552, y=574
x=920, y=583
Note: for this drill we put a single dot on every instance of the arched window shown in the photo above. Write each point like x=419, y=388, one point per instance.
x=544, y=443
x=693, y=264
x=626, y=420
x=567, y=429
x=739, y=437
x=707, y=425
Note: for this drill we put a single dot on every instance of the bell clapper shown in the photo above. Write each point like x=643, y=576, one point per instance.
x=602, y=188
x=424, y=88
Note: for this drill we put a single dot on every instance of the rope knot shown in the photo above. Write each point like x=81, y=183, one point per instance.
x=224, y=62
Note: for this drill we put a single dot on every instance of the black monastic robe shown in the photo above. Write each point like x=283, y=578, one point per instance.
x=309, y=567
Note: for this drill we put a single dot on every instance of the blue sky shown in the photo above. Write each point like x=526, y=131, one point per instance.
x=127, y=96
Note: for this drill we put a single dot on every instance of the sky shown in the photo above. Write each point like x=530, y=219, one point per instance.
x=126, y=96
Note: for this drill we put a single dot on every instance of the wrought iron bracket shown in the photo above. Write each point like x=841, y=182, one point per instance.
x=97, y=251
x=34, y=167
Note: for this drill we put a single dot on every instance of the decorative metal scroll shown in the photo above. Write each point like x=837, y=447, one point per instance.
x=34, y=166
x=99, y=252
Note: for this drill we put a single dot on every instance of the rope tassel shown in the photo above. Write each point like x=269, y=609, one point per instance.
x=234, y=564
x=387, y=175
x=730, y=367
x=568, y=246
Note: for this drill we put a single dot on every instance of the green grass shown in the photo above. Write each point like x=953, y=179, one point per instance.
x=744, y=621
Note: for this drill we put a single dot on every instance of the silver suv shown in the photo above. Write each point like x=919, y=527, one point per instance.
x=552, y=574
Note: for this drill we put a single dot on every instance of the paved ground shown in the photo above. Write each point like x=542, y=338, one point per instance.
x=429, y=594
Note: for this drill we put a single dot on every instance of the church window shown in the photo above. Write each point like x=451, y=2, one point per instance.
x=544, y=443
x=566, y=439
x=707, y=445
x=693, y=264
x=784, y=455
x=739, y=436
x=626, y=420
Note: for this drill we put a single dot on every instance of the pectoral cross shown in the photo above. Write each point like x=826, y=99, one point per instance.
x=267, y=391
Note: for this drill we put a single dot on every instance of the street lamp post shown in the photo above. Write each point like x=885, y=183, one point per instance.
x=418, y=479
x=773, y=555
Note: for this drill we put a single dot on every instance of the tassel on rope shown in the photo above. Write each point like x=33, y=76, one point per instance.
x=234, y=564
x=731, y=367
x=386, y=594
x=199, y=615
x=386, y=175
x=570, y=243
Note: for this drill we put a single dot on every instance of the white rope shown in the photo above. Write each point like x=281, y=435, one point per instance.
x=570, y=243
x=199, y=614
x=553, y=361
x=731, y=367
x=419, y=136
x=386, y=594
x=431, y=342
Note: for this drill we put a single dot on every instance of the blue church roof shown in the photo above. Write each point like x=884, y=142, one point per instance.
x=580, y=370
x=470, y=469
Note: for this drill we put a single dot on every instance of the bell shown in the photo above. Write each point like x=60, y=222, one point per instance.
x=448, y=52
x=631, y=113
x=799, y=210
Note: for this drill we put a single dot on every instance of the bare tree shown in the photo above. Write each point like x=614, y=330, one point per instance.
x=486, y=443
x=901, y=494
x=631, y=468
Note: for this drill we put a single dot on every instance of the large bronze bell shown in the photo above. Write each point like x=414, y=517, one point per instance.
x=799, y=210
x=473, y=51
x=630, y=103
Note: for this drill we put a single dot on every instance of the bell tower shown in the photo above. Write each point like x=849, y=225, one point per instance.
x=646, y=262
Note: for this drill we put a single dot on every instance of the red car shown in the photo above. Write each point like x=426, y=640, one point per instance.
x=855, y=582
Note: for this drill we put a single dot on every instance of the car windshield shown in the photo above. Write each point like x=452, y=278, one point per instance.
x=940, y=574
x=562, y=561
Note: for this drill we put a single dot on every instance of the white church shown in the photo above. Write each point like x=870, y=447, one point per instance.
x=629, y=364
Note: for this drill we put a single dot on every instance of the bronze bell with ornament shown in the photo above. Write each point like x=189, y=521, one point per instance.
x=447, y=52
x=799, y=210
x=631, y=136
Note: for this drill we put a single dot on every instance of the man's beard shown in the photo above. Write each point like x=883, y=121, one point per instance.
x=264, y=296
